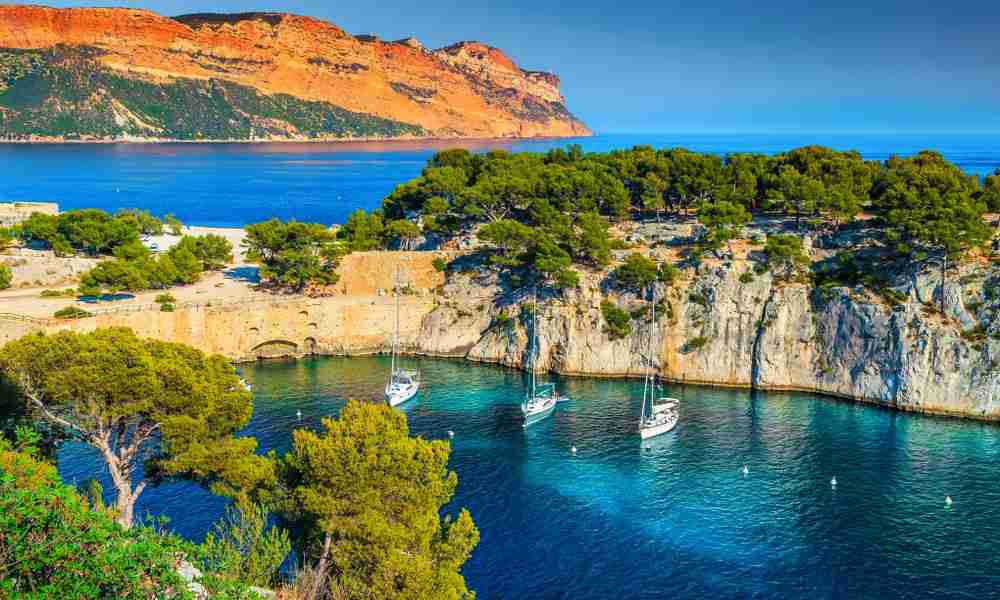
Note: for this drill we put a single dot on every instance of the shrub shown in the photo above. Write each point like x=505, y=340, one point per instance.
x=439, y=264
x=696, y=344
x=71, y=312
x=698, y=299
x=668, y=274
x=57, y=547
x=6, y=277
x=166, y=307
x=636, y=273
x=746, y=277
x=165, y=299
x=785, y=254
x=618, y=321
x=66, y=293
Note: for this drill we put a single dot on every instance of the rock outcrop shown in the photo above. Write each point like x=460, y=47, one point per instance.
x=254, y=65
x=718, y=325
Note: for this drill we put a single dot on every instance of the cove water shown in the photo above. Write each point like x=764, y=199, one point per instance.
x=235, y=184
x=671, y=517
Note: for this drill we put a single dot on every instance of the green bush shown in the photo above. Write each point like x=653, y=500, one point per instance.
x=71, y=312
x=65, y=293
x=57, y=547
x=440, y=265
x=6, y=277
x=636, y=273
x=618, y=321
x=165, y=298
x=699, y=299
x=696, y=344
x=166, y=307
x=746, y=277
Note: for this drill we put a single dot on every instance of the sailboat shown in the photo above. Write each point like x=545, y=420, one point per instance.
x=659, y=415
x=403, y=385
x=540, y=401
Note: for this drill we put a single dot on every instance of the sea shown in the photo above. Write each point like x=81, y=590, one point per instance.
x=231, y=185
x=672, y=517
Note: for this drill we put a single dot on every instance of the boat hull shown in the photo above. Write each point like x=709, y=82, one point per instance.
x=396, y=395
x=531, y=417
x=648, y=431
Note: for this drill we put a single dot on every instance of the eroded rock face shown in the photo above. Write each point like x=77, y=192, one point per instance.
x=763, y=333
x=465, y=90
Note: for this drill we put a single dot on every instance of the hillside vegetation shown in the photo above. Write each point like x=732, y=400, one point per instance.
x=64, y=92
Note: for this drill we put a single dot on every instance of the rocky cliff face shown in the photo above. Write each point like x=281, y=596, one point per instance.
x=268, y=68
x=720, y=329
x=715, y=326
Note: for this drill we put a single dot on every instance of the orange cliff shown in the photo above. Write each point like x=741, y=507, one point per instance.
x=464, y=90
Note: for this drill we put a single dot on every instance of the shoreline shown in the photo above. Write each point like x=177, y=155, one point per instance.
x=823, y=394
x=332, y=140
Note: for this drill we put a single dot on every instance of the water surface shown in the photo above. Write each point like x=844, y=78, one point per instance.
x=672, y=517
x=236, y=184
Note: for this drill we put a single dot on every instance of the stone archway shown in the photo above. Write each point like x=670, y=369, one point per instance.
x=275, y=349
x=309, y=346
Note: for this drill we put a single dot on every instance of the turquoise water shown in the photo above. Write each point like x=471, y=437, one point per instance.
x=674, y=516
x=236, y=184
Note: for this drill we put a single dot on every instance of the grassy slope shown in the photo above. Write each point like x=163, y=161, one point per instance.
x=64, y=92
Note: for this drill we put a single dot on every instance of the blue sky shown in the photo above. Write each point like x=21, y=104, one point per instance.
x=784, y=66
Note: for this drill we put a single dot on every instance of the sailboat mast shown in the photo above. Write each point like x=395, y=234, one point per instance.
x=534, y=336
x=395, y=338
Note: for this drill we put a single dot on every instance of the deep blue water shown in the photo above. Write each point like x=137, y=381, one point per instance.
x=236, y=184
x=672, y=517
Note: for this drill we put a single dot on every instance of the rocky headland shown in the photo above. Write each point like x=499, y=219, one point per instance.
x=720, y=323
x=100, y=74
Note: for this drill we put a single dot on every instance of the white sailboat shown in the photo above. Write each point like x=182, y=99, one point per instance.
x=659, y=415
x=403, y=385
x=540, y=401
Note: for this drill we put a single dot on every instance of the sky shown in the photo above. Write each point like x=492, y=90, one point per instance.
x=726, y=66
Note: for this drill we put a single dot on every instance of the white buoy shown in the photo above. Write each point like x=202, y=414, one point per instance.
x=833, y=482
x=746, y=471
x=451, y=433
x=947, y=500
x=298, y=414
x=573, y=449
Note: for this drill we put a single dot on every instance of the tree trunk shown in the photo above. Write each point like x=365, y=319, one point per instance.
x=321, y=566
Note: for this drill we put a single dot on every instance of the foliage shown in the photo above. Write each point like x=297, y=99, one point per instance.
x=617, y=320
x=165, y=299
x=724, y=220
x=71, y=312
x=167, y=307
x=52, y=545
x=294, y=254
x=64, y=293
x=135, y=269
x=173, y=224
x=695, y=344
x=372, y=495
x=363, y=231
x=440, y=265
x=6, y=277
x=89, y=230
x=929, y=202
x=636, y=273
x=785, y=255
x=7, y=237
x=133, y=399
x=242, y=547
x=404, y=232
x=69, y=93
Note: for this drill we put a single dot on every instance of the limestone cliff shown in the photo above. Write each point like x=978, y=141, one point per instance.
x=715, y=326
x=109, y=73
